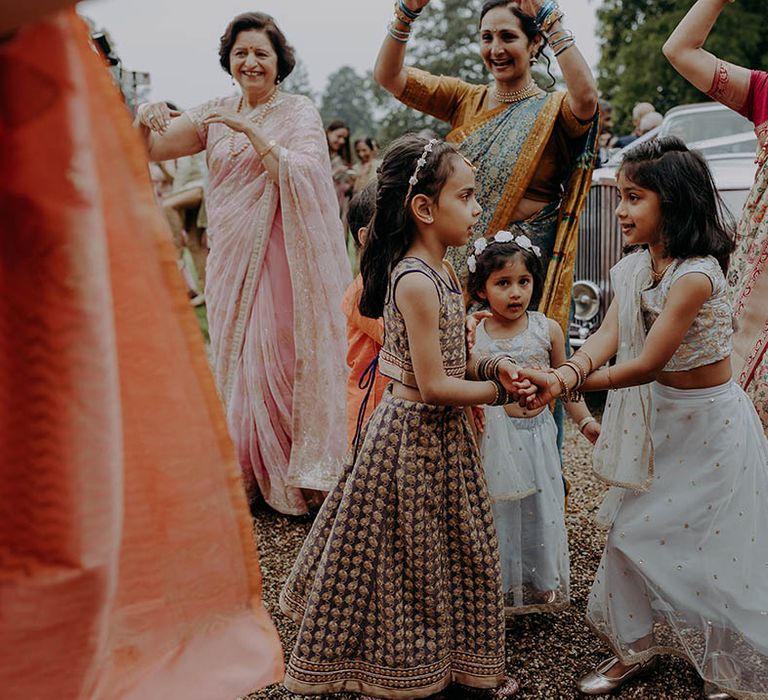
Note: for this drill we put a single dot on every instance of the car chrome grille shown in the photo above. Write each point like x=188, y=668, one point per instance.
x=600, y=244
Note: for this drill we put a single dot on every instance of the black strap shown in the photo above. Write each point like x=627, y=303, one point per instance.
x=367, y=380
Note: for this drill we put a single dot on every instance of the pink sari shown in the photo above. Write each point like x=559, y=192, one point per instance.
x=276, y=275
x=748, y=276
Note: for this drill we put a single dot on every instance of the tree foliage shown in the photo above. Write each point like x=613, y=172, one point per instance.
x=632, y=67
x=348, y=96
x=298, y=82
x=444, y=42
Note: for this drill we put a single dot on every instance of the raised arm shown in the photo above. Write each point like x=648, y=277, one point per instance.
x=167, y=134
x=389, y=71
x=723, y=81
x=582, y=89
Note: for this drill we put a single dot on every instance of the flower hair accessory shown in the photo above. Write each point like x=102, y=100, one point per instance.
x=420, y=163
x=481, y=244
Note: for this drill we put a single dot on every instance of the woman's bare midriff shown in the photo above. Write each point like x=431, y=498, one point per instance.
x=526, y=208
x=698, y=378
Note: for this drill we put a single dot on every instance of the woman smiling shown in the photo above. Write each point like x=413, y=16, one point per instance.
x=524, y=141
x=277, y=332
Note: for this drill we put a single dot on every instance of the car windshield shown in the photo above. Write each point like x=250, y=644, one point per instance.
x=705, y=125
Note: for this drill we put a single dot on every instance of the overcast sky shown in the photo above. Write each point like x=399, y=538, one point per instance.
x=176, y=40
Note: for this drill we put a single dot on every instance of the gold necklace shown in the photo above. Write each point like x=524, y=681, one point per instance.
x=656, y=277
x=257, y=119
x=518, y=95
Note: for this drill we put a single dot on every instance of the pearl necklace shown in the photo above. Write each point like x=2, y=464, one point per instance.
x=256, y=118
x=518, y=95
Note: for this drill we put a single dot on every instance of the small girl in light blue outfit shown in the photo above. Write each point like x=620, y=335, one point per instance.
x=519, y=446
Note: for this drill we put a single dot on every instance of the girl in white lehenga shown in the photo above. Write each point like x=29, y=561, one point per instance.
x=519, y=446
x=685, y=568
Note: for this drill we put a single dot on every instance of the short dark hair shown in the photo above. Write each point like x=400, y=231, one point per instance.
x=694, y=220
x=361, y=209
x=286, y=57
x=496, y=256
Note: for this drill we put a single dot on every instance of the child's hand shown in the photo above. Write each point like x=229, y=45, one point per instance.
x=478, y=416
x=591, y=431
x=473, y=321
x=547, y=387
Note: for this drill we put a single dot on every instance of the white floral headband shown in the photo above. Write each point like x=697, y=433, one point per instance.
x=420, y=163
x=501, y=237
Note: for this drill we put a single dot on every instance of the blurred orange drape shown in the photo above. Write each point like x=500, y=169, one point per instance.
x=128, y=568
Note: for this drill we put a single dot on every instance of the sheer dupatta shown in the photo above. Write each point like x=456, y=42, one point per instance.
x=623, y=455
x=127, y=562
x=278, y=339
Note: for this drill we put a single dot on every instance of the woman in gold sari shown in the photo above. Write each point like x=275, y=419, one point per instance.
x=532, y=149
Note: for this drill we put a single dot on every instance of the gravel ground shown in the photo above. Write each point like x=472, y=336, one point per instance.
x=546, y=653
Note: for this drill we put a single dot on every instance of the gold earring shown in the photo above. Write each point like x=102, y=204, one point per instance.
x=532, y=60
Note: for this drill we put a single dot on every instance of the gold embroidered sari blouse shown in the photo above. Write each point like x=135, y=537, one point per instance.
x=454, y=101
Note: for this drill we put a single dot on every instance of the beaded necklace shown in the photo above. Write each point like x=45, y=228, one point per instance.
x=256, y=118
x=518, y=95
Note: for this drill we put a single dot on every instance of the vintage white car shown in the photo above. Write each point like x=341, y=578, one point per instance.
x=729, y=143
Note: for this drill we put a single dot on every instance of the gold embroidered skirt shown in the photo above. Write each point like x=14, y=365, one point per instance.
x=397, y=588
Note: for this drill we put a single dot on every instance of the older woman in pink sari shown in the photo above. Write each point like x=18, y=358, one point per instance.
x=277, y=268
x=745, y=91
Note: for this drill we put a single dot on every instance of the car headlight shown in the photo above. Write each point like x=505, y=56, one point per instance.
x=586, y=300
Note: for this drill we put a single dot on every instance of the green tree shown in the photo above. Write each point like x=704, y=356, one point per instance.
x=348, y=96
x=298, y=83
x=632, y=67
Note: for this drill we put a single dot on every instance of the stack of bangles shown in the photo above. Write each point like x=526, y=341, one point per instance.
x=559, y=40
x=577, y=365
x=406, y=17
x=488, y=370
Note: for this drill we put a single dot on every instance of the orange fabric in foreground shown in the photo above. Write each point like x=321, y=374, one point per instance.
x=127, y=562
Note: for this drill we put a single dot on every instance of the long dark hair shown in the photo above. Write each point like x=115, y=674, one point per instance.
x=392, y=229
x=694, y=219
x=346, y=150
x=530, y=28
x=496, y=256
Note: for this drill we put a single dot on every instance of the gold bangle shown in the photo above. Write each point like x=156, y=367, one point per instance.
x=263, y=154
x=610, y=380
x=584, y=422
x=580, y=374
x=583, y=370
x=402, y=17
x=564, y=391
x=556, y=16
x=573, y=369
x=589, y=358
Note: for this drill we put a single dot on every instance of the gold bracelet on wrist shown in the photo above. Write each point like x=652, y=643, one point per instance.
x=263, y=154
x=584, y=422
